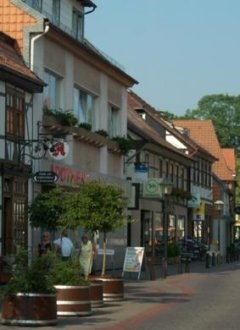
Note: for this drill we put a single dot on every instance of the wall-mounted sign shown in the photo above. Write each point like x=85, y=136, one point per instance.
x=140, y=173
x=45, y=177
x=152, y=188
x=58, y=150
x=69, y=176
x=194, y=201
x=199, y=212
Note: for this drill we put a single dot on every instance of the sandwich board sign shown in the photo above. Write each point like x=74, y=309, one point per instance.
x=133, y=260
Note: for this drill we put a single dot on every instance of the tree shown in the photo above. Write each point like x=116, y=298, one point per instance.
x=224, y=111
x=46, y=208
x=95, y=207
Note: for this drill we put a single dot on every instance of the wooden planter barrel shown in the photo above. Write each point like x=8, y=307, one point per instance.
x=113, y=288
x=96, y=293
x=73, y=300
x=29, y=309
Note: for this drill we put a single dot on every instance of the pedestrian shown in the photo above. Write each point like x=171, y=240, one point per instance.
x=87, y=254
x=45, y=245
x=64, y=246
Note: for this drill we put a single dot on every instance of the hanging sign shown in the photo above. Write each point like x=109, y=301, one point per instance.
x=199, y=212
x=45, y=177
x=58, y=150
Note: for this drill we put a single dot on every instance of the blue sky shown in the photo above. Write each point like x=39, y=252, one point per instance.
x=178, y=50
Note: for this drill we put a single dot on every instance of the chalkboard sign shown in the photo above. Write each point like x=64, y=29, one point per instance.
x=133, y=260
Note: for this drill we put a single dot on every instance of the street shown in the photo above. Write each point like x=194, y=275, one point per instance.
x=199, y=300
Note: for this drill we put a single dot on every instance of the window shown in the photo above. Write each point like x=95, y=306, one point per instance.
x=56, y=12
x=77, y=24
x=15, y=112
x=51, y=91
x=14, y=124
x=113, y=121
x=36, y=4
x=84, y=105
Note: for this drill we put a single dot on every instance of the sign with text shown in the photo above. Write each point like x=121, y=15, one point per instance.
x=45, y=177
x=133, y=259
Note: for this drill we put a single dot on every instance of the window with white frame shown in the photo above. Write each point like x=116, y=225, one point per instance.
x=77, y=24
x=84, y=106
x=113, y=121
x=51, y=91
x=56, y=12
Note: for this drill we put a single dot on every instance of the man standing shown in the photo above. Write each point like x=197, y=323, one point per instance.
x=64, y=246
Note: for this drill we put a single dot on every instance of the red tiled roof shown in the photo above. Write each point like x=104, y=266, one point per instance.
x=203, y=132
x=230, y=159
x=136, y=123
x=136, y=102
x=12, y=62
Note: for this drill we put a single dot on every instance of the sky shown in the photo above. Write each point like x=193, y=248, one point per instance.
x=178, y=50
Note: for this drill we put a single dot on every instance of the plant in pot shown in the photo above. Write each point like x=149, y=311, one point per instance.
x=98, y=207
x=29, y=297
x=73, y=290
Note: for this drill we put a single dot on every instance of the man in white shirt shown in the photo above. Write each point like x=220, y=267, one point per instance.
x=65, y=245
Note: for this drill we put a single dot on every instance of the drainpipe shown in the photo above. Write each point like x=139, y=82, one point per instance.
x=32, y=49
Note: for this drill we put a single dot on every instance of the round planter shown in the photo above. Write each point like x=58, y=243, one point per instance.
x=29, y=309
x=113, y=288
x=73, y=300
x=96, y=293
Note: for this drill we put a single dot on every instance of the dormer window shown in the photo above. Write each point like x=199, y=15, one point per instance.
x=77, y=24
x=141, y=112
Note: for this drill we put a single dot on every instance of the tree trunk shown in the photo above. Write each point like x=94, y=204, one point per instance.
x=104, y=255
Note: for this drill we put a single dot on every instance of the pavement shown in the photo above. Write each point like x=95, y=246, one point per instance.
x=143, y=298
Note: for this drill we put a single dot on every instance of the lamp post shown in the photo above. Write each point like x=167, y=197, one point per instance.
x=167, y=190
x=219, y=207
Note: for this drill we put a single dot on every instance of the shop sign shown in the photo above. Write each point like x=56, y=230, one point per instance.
x=45, y=177
x=199, y=212
x=58, y=150
x=152, y=188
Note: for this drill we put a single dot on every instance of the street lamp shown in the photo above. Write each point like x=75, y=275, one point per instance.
x=219, y=207
x=166, y=185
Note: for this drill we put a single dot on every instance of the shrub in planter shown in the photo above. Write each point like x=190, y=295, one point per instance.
x=65, y=118
x=86, y=126
x=73, y=291
x=29, y=295
x=124, y=144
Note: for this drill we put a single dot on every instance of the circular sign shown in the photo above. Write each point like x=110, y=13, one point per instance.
x=58, y=150
x=152, y=186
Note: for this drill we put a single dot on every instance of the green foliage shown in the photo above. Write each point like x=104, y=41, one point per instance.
x=96, y=207
x=173, y=250
x=86, y=126
x=102, y=132
x=65, y=118
x=46, y=209
x=224, y=111
x=124, y=144
x=67, y=272
x=29, y=277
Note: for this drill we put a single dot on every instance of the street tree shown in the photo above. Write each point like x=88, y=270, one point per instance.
x=96, y=207
x=46, y=209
